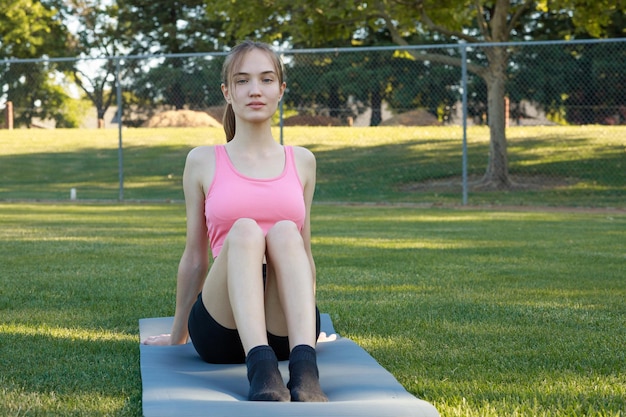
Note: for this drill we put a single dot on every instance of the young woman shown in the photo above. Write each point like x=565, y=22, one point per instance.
x=250, y=200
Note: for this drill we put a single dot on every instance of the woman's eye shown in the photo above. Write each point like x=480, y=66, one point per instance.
x=241, y=81
x=268, y=80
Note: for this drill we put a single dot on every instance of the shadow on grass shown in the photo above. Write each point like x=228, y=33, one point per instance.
x=150, y=172
x=383, y=173
x=424, y=171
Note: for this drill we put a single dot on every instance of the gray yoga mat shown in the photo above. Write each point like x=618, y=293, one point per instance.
x=176, y=382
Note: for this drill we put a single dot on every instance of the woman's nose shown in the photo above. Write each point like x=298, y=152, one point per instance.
x=254, y=88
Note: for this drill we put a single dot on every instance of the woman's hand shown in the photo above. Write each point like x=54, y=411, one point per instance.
x=323, y=337
x=159, y=340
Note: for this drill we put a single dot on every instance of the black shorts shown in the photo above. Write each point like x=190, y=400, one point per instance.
x=218, y=344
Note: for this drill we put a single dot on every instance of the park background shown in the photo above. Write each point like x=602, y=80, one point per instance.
x=469, y=220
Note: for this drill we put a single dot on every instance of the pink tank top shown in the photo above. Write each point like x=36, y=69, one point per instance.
x=232, y=196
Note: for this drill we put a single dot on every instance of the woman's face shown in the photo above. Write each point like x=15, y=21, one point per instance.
x=255, y=88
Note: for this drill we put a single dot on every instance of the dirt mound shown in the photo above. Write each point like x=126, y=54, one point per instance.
x=304, y=120
x=419, y=117
x=216, y=112
x=182, y=118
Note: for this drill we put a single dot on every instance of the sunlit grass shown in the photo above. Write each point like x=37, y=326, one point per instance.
x=21, y=402
x=74, y=334
x=388, y=243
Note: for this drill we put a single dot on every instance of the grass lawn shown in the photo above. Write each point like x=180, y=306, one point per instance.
x=559, y=166
x=481, y=312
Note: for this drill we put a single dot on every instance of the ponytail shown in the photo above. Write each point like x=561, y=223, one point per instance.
x=229, y=122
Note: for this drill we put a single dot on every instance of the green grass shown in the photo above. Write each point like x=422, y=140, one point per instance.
x=481, y=312
x=578, y=166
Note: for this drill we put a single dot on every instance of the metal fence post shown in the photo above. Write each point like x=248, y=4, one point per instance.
x=120, y=159
x=282, y=120
x=282, y=109
x=463, y=47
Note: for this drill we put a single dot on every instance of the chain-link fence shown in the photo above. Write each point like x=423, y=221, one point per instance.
x=562, y=108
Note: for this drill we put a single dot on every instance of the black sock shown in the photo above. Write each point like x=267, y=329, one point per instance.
x=304, y=380
x=266, y=382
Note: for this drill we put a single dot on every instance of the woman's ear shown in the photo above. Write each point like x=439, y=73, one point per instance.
x=283, y=86
x=225, y=92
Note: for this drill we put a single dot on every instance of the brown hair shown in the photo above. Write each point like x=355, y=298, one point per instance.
x=233, y=60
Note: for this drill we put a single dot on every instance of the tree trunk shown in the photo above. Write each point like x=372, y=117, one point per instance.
x=497, y=174
x=334, y=103
x=376, y=102
x=177, y=96
x=100, y=111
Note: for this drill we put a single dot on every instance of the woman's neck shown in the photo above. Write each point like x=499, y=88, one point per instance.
x=253, y=135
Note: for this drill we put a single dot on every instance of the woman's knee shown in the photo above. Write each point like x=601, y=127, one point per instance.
x=245, y=232
x=284, y=235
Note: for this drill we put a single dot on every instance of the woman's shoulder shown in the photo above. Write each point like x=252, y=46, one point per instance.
x=305, y=164
x=201, y=154
x=200, y=163
x=200, y=166
x=303, y=154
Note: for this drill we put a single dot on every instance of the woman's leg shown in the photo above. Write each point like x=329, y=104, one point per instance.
x=233, y=291
x=290, y=296
x=295, y=292
x=233, y=294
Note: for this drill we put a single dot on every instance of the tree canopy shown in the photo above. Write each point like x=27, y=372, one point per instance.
x=33, y=29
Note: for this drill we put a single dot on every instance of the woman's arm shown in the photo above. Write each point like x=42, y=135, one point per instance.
x=307, y=166
x=194, y=263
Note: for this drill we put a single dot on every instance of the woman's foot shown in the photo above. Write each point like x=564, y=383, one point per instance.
x=304, y=381
x=266, y=382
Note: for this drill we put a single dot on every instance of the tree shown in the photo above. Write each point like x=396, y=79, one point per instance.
x=327, y=97
x=165, y=28
x=95, y=37
x=31, y=30
x=181, y=82
x=345, y=83
x=494, y=21
x=397, y=78
x=577, y=83
x=317, y=22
